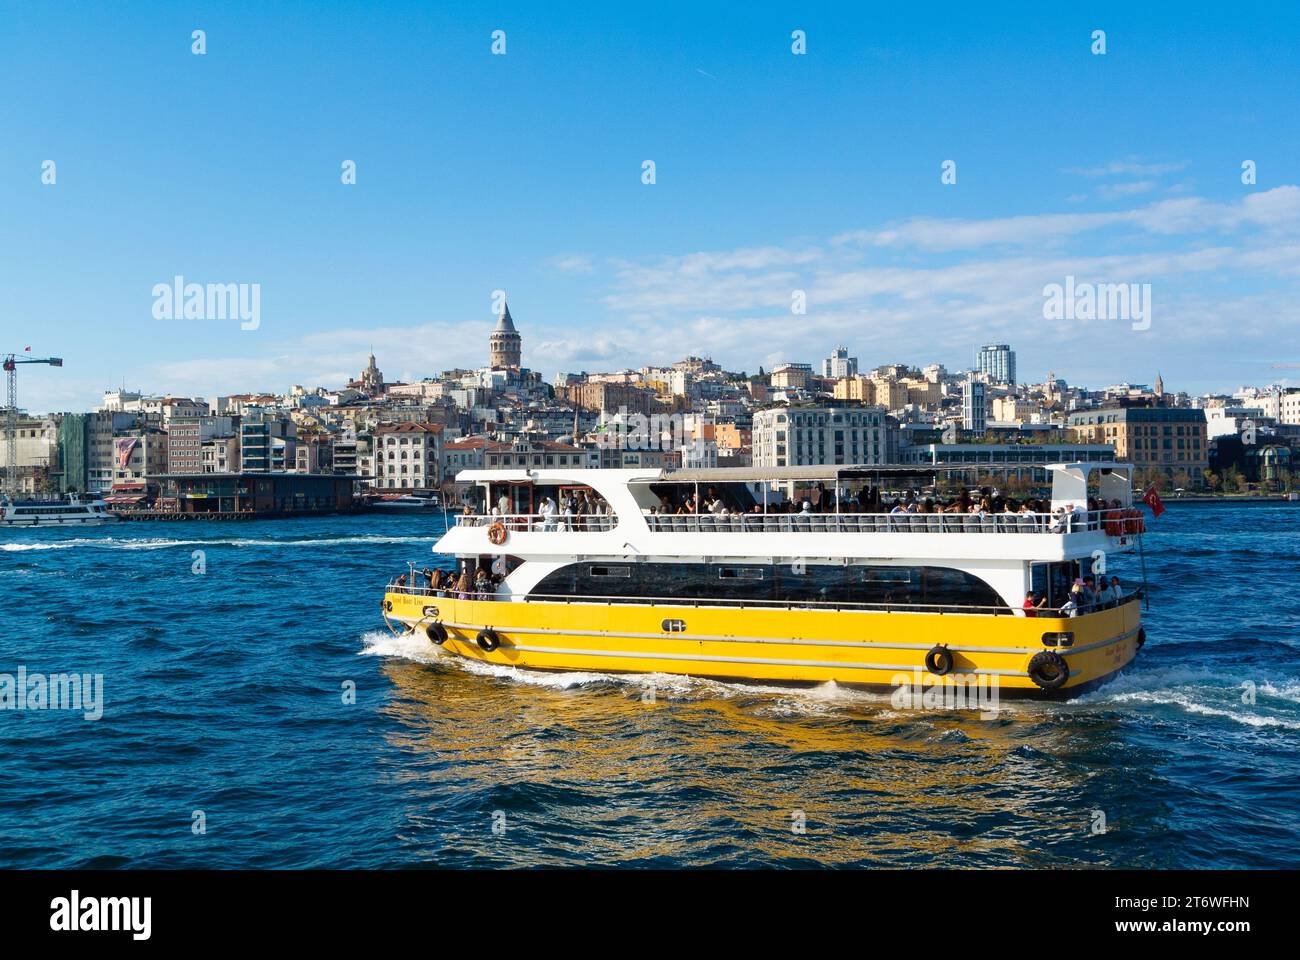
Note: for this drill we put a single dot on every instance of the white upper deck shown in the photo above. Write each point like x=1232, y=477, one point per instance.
x=629, y=525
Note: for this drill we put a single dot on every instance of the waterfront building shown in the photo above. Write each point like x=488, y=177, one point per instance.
x=266, y=441
x=185, y=438
x=408, y=456
x=539, y=453
x=809, y=435
x=1171, y=440
x=254, y=493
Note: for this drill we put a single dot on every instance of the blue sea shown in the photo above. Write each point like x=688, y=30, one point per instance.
x=258, y=714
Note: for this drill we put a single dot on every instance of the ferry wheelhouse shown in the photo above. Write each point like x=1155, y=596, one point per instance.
x=851, y=593
x=32, y=513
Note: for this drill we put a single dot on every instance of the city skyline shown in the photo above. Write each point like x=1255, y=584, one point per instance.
x=777, y=173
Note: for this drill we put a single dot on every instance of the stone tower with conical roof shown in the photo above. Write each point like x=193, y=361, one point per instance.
x=505, y=344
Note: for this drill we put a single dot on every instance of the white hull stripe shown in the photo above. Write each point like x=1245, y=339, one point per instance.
x=697, y=658
x=698, y=637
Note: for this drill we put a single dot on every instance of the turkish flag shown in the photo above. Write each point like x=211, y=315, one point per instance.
x=1152, y=500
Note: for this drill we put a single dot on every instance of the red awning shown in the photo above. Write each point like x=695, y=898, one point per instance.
x=125, y=498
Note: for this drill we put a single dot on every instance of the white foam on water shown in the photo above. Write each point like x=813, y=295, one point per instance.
x=1170, y=698
x=1289, y=690
x=820, y=700
x=406, y=646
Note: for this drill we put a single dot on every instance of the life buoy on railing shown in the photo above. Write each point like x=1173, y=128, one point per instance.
x=497, y=533
x=1111, y=523
x=1048, y=669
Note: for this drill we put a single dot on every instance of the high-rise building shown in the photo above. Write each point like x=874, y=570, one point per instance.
x=505, y=345
x=998, y=362
x=840, y=365
x=974, y=405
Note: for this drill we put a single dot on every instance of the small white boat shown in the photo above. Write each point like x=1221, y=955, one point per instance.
x=407, y=502
x=32, y=513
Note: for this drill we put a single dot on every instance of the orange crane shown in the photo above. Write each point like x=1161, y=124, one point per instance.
x=11, y=361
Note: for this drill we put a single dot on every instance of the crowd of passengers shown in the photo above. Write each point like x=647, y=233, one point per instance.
x=1086, y=596
x=570, y=513
x=986, y=502
x=481, y=585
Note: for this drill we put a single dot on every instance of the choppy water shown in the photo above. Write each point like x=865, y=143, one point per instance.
x=224, y=693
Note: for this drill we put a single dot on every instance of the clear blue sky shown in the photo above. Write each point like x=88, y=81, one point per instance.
x=775, y=172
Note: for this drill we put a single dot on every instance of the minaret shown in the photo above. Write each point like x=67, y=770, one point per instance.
x=505, y=344
x=1160, y=386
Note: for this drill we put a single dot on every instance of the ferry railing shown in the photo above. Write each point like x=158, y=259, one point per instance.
x=541, y=523
x=1112, y=521
x=1115, y=522
x=451, y=593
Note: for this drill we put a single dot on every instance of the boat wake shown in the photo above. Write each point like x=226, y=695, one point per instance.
x=1197, y=691
x=823, y=699
x=1203, y=691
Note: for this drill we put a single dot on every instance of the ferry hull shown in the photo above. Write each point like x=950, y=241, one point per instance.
x=795, y=646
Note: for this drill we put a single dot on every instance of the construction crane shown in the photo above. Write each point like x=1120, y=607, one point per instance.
x=11, y=361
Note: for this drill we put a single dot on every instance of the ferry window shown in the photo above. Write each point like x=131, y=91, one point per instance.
x=888, y=575
x=740, y=573
x=611, y=571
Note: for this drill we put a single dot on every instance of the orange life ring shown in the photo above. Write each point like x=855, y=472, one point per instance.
x=497, y=533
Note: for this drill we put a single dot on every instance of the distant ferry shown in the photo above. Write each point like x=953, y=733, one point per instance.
x=410, y=501
x=31, y=513
x=606, y=570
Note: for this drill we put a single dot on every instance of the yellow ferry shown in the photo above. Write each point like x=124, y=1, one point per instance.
x=582, y=569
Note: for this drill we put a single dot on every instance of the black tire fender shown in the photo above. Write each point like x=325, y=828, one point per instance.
x=436, y=633
x=939, y=661
x=1049, y=669
x=488, y=640
x=388, y=606
x=1142, y=637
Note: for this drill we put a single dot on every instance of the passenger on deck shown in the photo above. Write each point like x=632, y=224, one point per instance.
x=483, y=589
x=547, y=510
x=1033, y=604
x=1090, y=593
